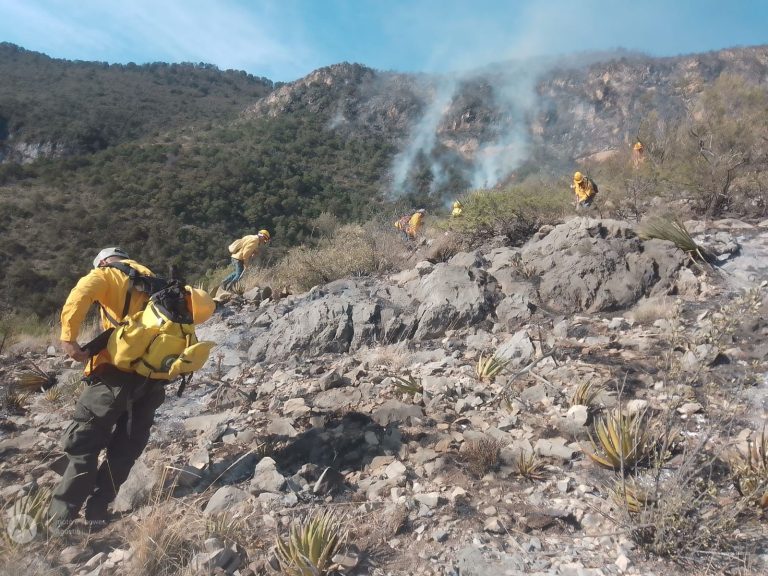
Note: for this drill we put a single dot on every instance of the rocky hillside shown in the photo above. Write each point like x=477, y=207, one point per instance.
x=556, y=111
x=168, y=160
x=364, y=397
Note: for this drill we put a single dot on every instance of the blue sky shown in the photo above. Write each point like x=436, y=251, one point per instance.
x=286, y=39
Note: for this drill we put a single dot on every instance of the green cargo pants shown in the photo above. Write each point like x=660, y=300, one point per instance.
x=115, y=412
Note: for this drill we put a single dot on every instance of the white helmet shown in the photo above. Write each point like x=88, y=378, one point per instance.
x=108, y=252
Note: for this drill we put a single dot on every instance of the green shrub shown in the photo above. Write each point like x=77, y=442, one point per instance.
x=515, y=212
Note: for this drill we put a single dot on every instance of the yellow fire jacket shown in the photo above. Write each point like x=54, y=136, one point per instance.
x=584, y=189
x=246, y=247
x=415, y=224
x=109, y=287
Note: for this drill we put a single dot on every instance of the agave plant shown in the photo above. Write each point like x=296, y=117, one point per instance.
x=621, y=441
x=673, y=230
x=529, y=466
x=410, y=385
x=311, y=545
x=32, y=507
x=750, y=471
x=489, y=367
x=586, y=394
x=631, y=496
x=15, y=402
x=32, y=378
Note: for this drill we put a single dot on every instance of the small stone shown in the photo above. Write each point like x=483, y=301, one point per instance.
x=96, y=560
x=439, y=535
x=493, y=525
x=331, y=380
x=578, y=414
x=266, y=478
x=430, y=500
x=689, y=408
x=72, y=554
x=346, y=561
x=187, y=476
x=50, y=351
x=623, y=563
x=564, y=485
x=395, y=469
x=637, y=405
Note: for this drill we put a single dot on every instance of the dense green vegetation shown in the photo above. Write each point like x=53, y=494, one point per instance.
x=83, y=107
x=177, y=203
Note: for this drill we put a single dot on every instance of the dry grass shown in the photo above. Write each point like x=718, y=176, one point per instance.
x=162, y=543
x=750, y=470
x=353, y=251
x=648, y=310
x=482, y=456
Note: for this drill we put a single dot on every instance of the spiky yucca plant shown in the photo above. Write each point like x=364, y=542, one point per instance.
x=311, y=545
x=750, y=470
x=489, y=367
x=32, y=378
x=33, y=505
x=586, y=394
x=15, y=402
x=53, y=395
x=620, y=441
x=673, y=230
x=630, y=496
x=410, y=385
x=529, y=466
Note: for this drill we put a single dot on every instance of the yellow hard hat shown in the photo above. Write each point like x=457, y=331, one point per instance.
x=578, y=177
x=201, y=304
x=457, y=204
x=639, y=146
x=265, y=233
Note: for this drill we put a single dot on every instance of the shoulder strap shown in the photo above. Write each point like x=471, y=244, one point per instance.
x=132, y=274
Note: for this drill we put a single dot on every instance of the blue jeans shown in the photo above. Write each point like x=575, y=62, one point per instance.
x=235, y=276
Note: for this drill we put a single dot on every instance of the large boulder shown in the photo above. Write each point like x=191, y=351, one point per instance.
x=598, y=265
x=348, y=314
x=451, y=296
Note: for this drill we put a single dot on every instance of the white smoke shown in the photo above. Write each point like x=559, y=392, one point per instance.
x=513, y=89
x=423, y=135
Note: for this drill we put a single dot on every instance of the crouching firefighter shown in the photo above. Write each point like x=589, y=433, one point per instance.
x=148, y=340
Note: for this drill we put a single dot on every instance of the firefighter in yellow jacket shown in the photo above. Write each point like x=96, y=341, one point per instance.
x=415, y=223
x=242, y=250
x=116, y=410
x=458, y=209
x=585, y=190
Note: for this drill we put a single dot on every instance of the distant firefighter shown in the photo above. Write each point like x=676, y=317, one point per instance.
x=638, y=153
x=410, y=226
x=585, y=190
x=458, y=209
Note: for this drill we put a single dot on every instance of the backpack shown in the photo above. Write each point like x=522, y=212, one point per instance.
x=235, y=246
x=158, y=342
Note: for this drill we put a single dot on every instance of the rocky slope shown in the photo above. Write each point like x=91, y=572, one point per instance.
x=555, y=111
x=303, y=406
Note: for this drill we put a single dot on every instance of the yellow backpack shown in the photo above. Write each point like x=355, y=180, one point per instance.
x=159, y=342
x=152, y=344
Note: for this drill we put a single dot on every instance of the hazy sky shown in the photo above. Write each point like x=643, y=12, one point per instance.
x=286, y=39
